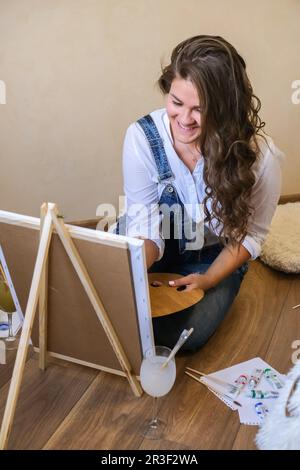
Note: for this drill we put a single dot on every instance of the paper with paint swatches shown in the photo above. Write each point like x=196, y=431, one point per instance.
x=254, y=407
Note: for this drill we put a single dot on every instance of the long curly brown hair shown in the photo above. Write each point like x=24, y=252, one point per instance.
x=230, y=125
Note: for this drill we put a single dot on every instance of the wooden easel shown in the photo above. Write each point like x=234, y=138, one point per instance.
x=50, y=220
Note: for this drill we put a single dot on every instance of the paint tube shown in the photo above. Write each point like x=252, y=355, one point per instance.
x=273, y=379
x=262, y=394
x=255, y=378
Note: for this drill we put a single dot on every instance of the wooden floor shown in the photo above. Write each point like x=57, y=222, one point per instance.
x=74, y=407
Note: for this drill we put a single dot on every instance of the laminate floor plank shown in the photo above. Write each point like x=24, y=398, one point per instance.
x=46, y=397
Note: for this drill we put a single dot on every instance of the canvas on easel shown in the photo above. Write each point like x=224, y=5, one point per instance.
x=79, y=274
x=17, y=319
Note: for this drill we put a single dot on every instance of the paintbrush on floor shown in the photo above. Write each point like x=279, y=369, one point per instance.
x=231, y=387
x=215, y=390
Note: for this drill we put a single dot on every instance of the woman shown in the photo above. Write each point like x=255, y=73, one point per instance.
x=205, y=148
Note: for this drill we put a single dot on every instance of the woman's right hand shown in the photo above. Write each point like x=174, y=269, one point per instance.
x=192, y=281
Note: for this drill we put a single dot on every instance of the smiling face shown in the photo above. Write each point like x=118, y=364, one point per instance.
x=184, y=111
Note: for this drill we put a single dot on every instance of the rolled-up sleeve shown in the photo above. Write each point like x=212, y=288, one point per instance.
x=141, y=192
x=264, y=200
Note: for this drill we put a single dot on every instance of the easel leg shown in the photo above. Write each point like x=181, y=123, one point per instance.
x=134, y=384
x=26, y=331
x=43, y=303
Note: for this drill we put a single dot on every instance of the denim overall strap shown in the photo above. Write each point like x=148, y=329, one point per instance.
x=157, y=147
x=169, y=195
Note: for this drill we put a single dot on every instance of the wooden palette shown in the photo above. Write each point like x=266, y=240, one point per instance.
x=165, y=299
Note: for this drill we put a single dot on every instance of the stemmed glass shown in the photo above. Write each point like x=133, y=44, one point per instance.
x=157, y=381
x=7, y=305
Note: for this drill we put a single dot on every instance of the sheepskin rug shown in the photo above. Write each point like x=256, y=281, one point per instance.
x=278, y=431
x=281, y=249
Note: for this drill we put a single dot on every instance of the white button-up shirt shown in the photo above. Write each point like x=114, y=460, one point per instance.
x=142, y=187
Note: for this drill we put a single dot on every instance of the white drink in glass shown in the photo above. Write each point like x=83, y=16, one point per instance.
x=156, y=380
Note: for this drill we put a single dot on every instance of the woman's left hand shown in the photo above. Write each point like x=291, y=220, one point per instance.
x=192, y=281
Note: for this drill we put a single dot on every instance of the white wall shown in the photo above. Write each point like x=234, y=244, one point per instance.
x=77, y=72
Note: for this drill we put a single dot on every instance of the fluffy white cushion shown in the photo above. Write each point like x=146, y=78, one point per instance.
x=279, y=431
x=281, y=249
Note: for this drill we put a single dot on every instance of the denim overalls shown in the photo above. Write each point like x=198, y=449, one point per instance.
x=206, y=315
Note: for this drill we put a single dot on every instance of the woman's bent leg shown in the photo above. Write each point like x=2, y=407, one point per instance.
x=204, y=317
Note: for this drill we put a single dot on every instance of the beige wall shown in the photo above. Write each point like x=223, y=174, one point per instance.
x=77, y=72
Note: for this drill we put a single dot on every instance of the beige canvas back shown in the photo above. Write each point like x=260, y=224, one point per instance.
x=74, y=331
